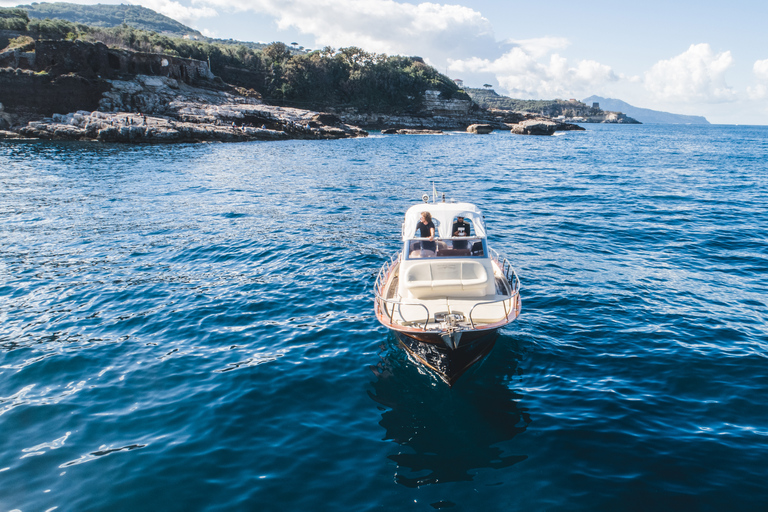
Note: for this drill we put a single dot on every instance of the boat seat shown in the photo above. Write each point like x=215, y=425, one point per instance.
x=418, y=253
x=454, y=252
x=436, y=278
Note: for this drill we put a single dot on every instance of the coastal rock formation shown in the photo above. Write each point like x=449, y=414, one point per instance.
x=437, y=113
x=441, y=107
x=5, y=134
x=96, y=60
x=125, y=127
x=509, y=116
x=181, y=102
x=78, y=90
x=615, y=118
x=162, y=109
x=535, y=127
x=379, y=121
x=480, y=128
x=559, y=110
x=460, y=120
x=5, y=119
x=29, y=96
x=422, y=121
x=86, y=91
x=409, y=131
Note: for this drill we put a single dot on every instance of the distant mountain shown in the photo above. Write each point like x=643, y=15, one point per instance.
x=644, y=115
x=102, y=15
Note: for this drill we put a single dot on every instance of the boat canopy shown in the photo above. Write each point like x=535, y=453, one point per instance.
x=443, y=216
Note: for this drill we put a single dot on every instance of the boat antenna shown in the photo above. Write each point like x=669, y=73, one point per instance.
x=434, y=193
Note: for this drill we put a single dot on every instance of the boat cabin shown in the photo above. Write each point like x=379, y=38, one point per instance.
x=456, y=264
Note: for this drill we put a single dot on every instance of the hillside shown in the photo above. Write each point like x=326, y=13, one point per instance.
x=104, y=16
x=343, y=78
x=68, y=80
x=567, y=110
x=488, y=98
x=141, y=18
x=645, y=115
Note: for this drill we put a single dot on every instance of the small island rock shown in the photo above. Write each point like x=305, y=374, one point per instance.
x=480, y=128
x=535, y=127
x=410, y=131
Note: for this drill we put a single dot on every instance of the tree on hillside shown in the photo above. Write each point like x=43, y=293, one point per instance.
x=13, y=19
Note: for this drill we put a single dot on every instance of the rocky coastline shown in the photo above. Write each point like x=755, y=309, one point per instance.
x=64, y=90
x=162, y=109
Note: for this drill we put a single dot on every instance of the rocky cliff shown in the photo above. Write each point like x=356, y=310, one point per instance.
x=449, y=114
x=572, y=111
x=77, y=90
x=161, y=109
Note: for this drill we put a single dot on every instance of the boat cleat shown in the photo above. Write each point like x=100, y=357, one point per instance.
x=449, y=325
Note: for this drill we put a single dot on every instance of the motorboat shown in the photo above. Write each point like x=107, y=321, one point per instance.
x=446, y=297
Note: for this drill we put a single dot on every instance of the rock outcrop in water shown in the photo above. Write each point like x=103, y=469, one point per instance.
x=126, y=127
x=480, y=128
x=409, y=131
x=427, y=123
x=535, y=127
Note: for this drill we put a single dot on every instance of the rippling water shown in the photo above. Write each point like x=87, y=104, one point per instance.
x=190, y=327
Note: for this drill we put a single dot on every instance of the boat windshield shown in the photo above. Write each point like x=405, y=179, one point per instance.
x=446, y=248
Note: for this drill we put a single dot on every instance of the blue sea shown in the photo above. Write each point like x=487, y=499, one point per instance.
x=191, y=327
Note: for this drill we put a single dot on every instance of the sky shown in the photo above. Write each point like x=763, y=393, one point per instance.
x=688, y=57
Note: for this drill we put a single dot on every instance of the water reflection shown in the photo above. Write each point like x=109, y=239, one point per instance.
x=445, y=433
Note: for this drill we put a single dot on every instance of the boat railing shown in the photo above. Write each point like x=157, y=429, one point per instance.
x=511, y=276
x=508, y=270
x=511, y=300
x=383, y=272
x=396, y=305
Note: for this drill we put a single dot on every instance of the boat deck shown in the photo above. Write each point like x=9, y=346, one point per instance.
x=424, y=313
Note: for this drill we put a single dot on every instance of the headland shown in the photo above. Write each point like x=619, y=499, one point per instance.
x=64, y=87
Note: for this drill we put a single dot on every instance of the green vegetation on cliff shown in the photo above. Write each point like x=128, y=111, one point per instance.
x=18, y=20
x=13, y=19
x=319, y=79
x=102, y=15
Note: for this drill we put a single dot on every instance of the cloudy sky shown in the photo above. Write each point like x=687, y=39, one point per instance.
x=689, y=57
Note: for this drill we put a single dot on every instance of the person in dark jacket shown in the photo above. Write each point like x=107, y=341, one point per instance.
x=460, y=228
x=427, y=230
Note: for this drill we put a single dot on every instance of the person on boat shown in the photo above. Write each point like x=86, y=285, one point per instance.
x=460, y=228
x=427, y=230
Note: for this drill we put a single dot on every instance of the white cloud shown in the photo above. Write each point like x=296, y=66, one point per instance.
x=531, y=70
x=177, y=11
x=760, y=69
x=541, y=46
x=759, y=91
x=695, y=76
x=432, y=30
